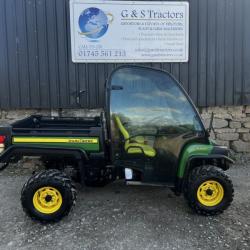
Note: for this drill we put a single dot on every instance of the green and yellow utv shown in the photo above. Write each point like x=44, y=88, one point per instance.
x=149, y=133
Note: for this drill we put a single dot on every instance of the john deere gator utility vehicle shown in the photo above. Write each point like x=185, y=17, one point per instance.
x=149, y=133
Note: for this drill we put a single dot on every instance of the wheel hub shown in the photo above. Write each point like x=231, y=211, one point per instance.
x=47, y=200
x=210, y=193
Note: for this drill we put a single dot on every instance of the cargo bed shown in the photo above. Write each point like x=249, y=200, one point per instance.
x=66, y=125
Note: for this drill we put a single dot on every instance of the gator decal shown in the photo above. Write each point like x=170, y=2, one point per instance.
x=192, y=150
x=85, y=143
x=52, y=140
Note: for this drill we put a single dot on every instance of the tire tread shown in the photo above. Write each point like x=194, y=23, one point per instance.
x=201, y=173
x=48, y=175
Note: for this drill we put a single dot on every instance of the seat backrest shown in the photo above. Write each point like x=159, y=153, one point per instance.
x=121, y=127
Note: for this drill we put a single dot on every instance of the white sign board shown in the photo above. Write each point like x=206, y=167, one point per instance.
x=129, y=31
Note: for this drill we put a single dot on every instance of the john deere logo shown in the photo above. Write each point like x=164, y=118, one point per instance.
x=94, y=23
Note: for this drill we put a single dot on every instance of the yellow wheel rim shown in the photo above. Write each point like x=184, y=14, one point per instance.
x=210, y=193
x=47, y=200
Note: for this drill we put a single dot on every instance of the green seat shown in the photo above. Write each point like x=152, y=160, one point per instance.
x=136, y=145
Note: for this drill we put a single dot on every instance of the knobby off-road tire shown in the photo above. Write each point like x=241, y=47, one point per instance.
x=48, y=196
x=209, y=190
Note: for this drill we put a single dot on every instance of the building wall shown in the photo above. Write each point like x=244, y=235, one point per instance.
x=36, y=70
x=231, y=123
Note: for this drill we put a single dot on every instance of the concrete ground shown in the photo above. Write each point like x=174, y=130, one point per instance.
x=120, y=217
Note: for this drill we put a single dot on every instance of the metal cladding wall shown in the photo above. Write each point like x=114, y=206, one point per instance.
x=36, y=70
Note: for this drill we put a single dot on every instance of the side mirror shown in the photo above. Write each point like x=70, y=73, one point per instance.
x=211, y=123
x=207, y=133
x=210, y=128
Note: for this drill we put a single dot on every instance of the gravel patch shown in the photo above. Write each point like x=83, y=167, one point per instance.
x=126, y=217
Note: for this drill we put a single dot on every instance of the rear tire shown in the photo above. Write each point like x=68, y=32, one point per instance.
x=209, y=190
x=48, y=196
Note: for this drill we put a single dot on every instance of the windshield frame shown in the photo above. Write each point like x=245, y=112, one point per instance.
x=178, y=84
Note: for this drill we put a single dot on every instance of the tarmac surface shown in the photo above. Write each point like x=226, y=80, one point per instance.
x=126, y=217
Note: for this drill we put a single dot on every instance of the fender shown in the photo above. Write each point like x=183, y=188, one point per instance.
x=192, y=150
x=207, y=152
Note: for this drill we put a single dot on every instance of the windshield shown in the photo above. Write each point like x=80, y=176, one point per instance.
x=149, y=101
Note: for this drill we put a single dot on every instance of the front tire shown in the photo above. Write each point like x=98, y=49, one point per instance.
x=209, y=190
x=48, y=196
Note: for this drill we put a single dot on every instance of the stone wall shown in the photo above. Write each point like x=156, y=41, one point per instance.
x=231, y=124
x=10, y=116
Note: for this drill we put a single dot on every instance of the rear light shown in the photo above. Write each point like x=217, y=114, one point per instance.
x=2, y=138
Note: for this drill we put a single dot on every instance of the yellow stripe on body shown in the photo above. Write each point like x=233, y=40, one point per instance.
x=53, y=140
